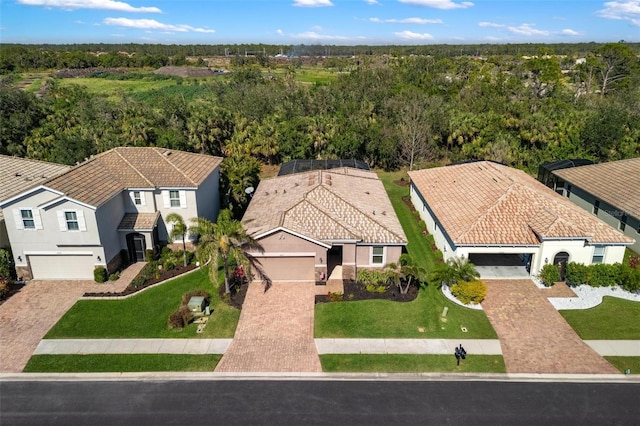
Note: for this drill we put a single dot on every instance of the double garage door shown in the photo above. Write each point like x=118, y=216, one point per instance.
x=289, y=268
x=61, y=267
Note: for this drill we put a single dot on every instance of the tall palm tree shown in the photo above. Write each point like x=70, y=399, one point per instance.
x=178, y=231
x=227, y=240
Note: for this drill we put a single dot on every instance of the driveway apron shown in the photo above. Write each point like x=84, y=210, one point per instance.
x=534, y=337
x=275, y=331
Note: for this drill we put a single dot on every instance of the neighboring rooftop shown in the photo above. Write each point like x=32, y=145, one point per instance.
x=492, y=204
x=337, y=204
x=302, y=166
x=96, y=180
x=616, y=182
x=20, y=174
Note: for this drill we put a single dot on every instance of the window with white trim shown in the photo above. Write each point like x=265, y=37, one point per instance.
x=28, y=222
x=174, y=198
x=623, y=222
x=27, y=218
x=137, y=198
x=377, y=255
x=596, y=207
x=598, y=254
x=71, y=218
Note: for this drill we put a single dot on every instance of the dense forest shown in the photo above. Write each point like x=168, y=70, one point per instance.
x=408, y=108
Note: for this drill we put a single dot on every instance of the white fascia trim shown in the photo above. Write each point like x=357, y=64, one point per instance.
x=583, y=238
x=30, y=191
x=183, y=188
x=344, y=241
x=57, y=253
x=283, y=229
x=500, y=245
x=284, y=254
x=381, y=244
x=66, y=198
x=147, y=188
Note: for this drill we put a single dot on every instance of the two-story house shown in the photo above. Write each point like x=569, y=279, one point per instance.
x=106, y=209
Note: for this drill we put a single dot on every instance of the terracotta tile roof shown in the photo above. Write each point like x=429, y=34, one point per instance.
x=336, y=204
x=485, y=203
x=138, y=221
x=20, y=174
x=98, y=179
x=616, y=183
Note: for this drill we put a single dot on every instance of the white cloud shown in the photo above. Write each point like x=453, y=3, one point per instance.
x=372, y=1
x=490, y=24
x=409, y=35
x=279, y=31
x=527, y=30
x=625, y=10
x=406, y=21
x=152, y=24
x=90, y=4
x=312, y=35
x=312, y=3
x=439, y=4
x=569, y=32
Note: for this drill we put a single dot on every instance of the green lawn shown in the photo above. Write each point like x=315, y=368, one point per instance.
x=370, y=363
x=120, y=363
x=145, y=314
x=381, y=318
x=112, y=88
x=613, y=319
x=625, y=362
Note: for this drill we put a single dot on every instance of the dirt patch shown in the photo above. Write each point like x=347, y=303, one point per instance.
x=354, y=291
x=402, y=182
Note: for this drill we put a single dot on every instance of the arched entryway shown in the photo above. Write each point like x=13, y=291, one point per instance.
x=560, y=260
x=137, y=245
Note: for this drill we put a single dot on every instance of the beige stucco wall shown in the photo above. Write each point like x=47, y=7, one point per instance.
x=364, y=255
x=284, y=244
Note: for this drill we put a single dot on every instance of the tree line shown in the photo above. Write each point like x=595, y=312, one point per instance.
x=390, y=112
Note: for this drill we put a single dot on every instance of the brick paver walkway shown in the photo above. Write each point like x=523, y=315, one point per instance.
x=275, y=331
x=533, y=335
x=28, y=315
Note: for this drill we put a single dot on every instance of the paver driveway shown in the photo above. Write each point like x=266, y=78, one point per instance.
x=533, y=335
x=275, y=331
x=28, y=315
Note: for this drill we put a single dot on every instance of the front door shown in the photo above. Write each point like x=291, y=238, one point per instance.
x=560, y=260
x=137, y=247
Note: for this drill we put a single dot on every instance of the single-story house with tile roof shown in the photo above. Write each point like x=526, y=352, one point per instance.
x=508, y=223
x=323, y=223
x=19, y=174
x=610, y=191
x=108, y=206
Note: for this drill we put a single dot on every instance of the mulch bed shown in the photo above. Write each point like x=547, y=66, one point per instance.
x=164, y=275
x=238, y=293
x=402, y=182
x=359, y=292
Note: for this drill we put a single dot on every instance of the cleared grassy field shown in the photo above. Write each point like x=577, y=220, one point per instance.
x=307, y=75
x=113, y=89
x=120, y=363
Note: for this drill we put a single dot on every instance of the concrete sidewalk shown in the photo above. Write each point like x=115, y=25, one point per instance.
x=324, y=346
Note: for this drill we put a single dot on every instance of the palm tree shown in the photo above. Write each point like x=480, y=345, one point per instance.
x=227, y=240
x=456, y=269
x=178, y=230
x=406, y=268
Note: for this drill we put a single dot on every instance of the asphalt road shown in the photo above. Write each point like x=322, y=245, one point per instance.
x=295, y=402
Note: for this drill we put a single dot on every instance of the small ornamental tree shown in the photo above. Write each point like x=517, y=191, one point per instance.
x=178, y=231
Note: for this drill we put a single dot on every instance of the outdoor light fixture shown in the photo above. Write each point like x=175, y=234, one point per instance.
x=19, y=258
x=546, y=260
x=99, y=259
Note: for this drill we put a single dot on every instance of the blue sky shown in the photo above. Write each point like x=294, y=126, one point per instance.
x=340, y=22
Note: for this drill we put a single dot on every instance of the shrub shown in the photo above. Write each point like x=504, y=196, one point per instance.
x=4, y=285
x=169, y=264
x=603, y=275
x=6, y=263
x=335, y=297
x=166, y=251
x=423, y=225
x=180, y=317
x=149, y=254
x=114, y=276
x=549, y=274
x=100, y=274
x=629, y=278
x=469, y=291
x=577, y=274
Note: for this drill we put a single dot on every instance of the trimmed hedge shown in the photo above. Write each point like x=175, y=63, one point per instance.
x=469, y=291
x=603, y=275
x=100, y=274
x=549, y=275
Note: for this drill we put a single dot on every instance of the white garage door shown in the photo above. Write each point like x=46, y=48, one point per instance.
x=60, y=267
x=289, y=268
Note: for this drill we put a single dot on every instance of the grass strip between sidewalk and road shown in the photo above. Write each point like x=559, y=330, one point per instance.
x=120, y=363
x=417, y=319
x=145, y=315
x=625, y=362
x=409, y=363
x=613, y=319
